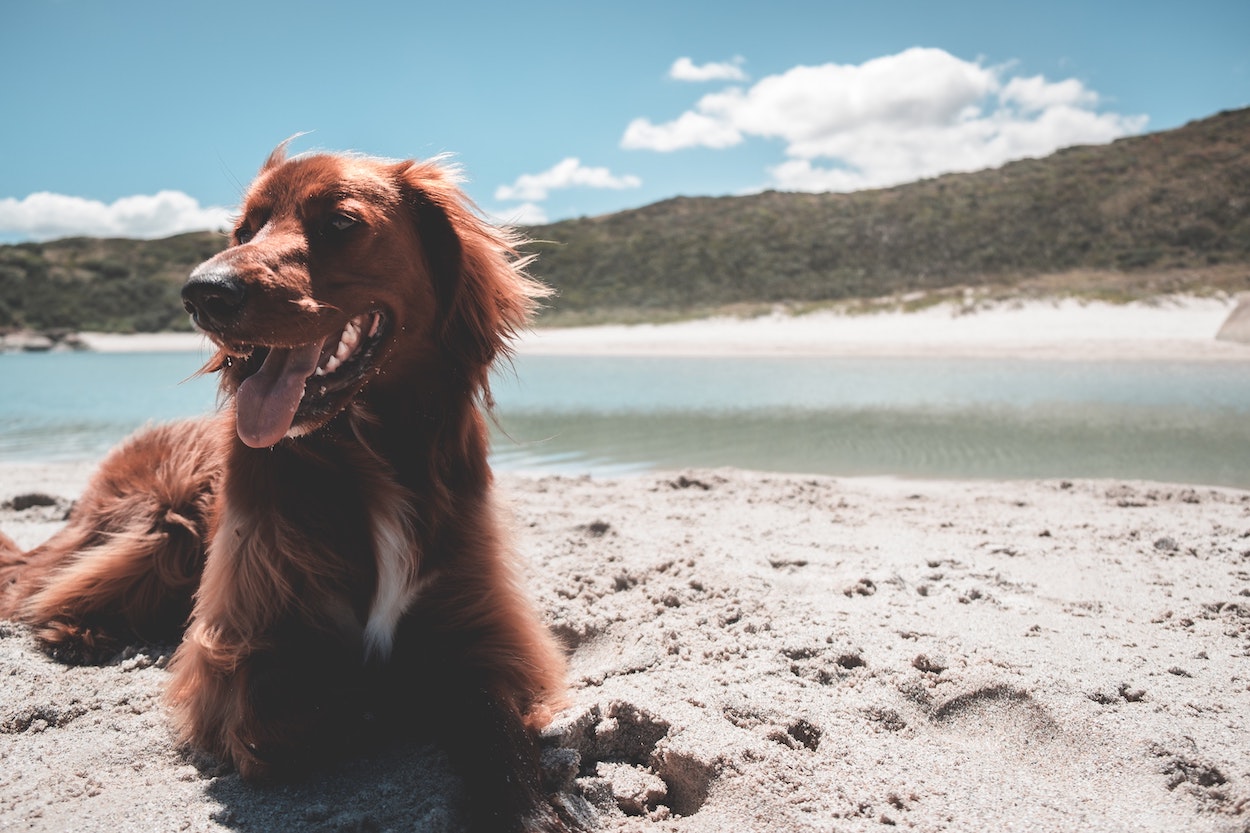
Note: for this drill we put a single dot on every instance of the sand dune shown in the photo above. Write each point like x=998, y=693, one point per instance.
x=754, y=652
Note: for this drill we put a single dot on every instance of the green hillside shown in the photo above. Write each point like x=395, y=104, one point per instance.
x=107, y=285
x=1163, y=212
x=1125, y=213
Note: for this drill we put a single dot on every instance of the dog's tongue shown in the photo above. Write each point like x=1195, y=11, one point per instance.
x=267, y=400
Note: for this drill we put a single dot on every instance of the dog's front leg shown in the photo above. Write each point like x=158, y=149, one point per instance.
x=476, y=717
x=273, y=709
x=497, y=755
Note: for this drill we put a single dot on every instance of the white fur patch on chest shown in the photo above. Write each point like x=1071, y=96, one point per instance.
x=395, y=551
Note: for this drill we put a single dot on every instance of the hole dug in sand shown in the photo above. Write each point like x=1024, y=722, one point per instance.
x=619, y=759
x=1200, y=778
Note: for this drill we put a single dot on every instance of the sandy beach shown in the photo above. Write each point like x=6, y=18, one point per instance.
x=760, y=652
x=1180, y=327
x=1169, y=327
x=753, y=652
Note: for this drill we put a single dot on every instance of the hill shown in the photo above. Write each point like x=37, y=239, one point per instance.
x=107, y=285
x=1131, y=217
x=1162, y=212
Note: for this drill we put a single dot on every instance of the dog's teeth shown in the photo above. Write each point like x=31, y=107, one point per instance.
x=348, y=341
x=375, y=321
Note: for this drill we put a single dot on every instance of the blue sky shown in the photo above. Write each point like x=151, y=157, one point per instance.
x=144, y=118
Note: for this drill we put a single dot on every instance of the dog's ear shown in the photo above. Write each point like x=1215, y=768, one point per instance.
x=485, y=296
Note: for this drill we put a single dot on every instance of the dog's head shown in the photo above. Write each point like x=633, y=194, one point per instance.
x=347, y=277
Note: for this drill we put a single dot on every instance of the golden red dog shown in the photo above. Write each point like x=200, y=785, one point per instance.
x=326, y=548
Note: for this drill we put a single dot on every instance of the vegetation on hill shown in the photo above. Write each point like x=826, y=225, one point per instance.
x=1163, y=212
x=107, y=285
x=1143, y=206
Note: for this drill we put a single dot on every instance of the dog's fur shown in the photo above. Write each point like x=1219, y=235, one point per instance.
x=328, y=540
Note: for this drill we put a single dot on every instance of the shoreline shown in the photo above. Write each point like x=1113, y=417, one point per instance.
x=1170, y=328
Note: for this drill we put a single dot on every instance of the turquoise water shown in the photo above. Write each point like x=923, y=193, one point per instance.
x=75, y=406
x=960, y=418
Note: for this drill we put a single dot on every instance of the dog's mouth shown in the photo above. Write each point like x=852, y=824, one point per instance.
x=287, y=391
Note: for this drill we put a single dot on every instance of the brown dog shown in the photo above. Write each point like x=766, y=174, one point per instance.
x=330, y=534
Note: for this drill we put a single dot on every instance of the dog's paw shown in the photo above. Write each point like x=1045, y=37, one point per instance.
x=568, y=814
x=75, y=644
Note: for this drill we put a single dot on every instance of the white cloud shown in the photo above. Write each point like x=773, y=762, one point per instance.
x=802, y=175
x=525, y=214
x=891, y=120
x=684, y=69
x=686, y=131
x=567, y=173
x=44, y=215
x=1036, y=93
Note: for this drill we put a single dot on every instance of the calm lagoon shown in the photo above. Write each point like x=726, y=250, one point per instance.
x=1185, y=422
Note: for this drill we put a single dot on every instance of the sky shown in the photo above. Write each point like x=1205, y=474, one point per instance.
x=144, y=119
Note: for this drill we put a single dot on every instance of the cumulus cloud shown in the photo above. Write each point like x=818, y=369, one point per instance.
x=525, y=214
x=688, y=130
x=684, y=69
x=567, y=173
x=890, y=120
x=1036, y=94
x=44, y=215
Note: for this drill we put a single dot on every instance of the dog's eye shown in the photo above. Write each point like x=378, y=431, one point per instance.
x=340, y=222
x=243, y=234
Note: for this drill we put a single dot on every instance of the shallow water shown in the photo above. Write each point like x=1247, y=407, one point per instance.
x=957, y=418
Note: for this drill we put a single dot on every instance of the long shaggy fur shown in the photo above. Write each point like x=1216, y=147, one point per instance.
x=347, y=570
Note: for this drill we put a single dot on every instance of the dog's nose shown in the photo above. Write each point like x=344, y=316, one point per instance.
x=213, y=295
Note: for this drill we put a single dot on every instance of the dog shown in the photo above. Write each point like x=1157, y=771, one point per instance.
x=325, y=549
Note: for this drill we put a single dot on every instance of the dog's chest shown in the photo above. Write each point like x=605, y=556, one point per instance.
x=336, y=533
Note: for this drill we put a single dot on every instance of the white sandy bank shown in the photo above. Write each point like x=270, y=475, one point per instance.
x=1171, y=328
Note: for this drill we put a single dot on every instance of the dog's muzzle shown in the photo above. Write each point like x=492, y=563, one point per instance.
x=214, y=296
